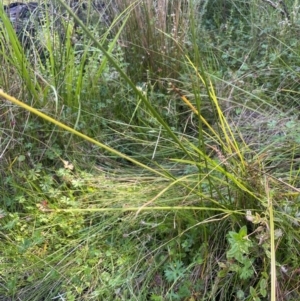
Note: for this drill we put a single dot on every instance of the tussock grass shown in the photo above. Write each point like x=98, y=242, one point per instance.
x=176, y=183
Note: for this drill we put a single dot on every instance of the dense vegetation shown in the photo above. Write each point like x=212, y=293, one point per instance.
x=151, y=153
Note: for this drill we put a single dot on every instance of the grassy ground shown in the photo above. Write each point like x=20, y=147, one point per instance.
x=154, y=158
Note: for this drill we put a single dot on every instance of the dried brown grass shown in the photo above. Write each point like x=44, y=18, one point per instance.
x=155, y=33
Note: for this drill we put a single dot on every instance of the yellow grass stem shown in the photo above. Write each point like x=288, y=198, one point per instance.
x=160, y=208
x=72, y=131
x=272, y=242
x=229, y=136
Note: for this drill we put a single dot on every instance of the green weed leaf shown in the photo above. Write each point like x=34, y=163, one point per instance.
x=239, y=244
x=174, y=271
